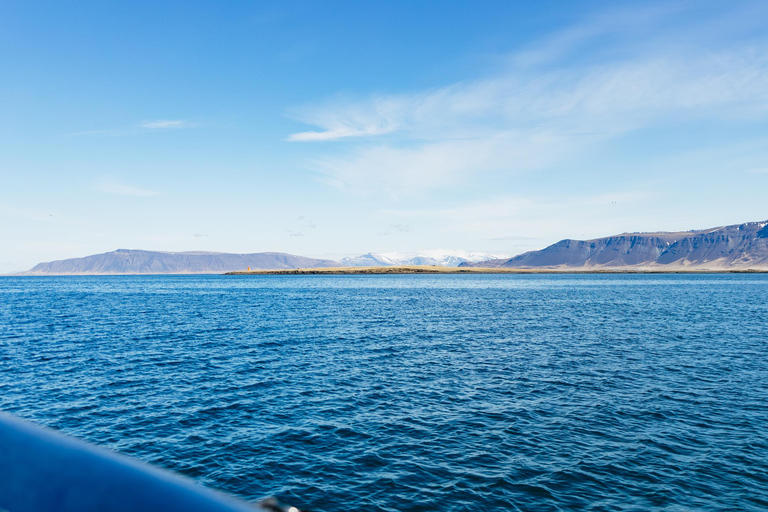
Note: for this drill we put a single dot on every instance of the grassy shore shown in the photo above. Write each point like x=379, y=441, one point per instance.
x=429, y=269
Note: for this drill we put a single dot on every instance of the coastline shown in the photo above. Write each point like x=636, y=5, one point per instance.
x=426, y=269
x=407, y=270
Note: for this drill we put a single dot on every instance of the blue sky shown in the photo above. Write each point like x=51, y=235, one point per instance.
x=337, y=128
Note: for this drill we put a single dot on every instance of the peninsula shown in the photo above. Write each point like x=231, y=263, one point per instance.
x=434, y=269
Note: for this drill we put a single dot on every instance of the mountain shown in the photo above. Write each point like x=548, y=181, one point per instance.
x=370, y=259
x=126, y=261
x=427, y=257
x=742, y=246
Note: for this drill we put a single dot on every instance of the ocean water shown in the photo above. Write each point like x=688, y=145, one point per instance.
x=410, y=393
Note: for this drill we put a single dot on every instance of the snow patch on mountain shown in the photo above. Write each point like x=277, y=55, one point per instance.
x=444, y=258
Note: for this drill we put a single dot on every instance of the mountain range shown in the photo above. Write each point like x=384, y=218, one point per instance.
x=736, y=247
x=429, y=257
x=740, y=246
x=127, y=261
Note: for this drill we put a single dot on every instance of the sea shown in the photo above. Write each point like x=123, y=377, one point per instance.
x=409, y=392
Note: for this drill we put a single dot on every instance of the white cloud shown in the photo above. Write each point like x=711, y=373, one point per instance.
x=347, y=119
x=535, y=114
x=163, y=124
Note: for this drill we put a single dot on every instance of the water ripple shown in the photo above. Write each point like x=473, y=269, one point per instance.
x=388, y=393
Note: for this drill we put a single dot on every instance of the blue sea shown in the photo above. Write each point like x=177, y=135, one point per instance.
x=410, y=393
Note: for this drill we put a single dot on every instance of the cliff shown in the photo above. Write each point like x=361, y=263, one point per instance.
x=742, y=246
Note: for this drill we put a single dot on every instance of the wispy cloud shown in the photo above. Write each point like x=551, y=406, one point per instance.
x=345, y=119
x=517, y=218
x=509, y=206
x=339, y=132
x=110, y=186
x=763, y=170
x=163, y=124
x=143, y=127
x=395, y=170
x=542, y=108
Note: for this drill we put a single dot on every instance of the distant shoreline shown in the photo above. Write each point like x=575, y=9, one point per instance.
x=403, y=270
x=423, y=269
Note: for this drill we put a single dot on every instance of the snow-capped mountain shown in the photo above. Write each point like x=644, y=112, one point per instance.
x=371, y=259
x=426, y=257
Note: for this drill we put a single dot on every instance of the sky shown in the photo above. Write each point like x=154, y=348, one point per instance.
x=335, y=128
